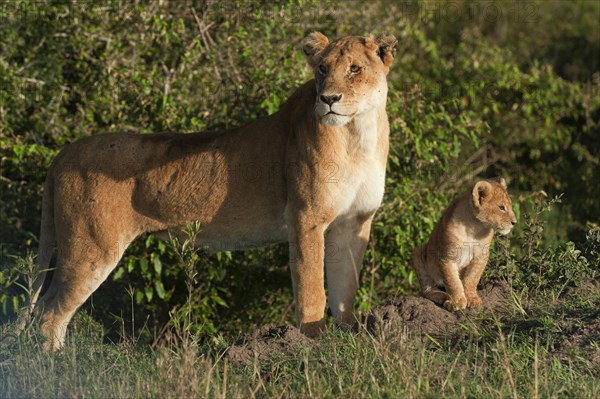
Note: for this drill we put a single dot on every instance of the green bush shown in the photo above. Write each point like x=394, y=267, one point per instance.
x=531, y=267
x=467, y=98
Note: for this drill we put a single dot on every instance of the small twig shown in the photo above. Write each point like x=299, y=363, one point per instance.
x=207, y=40
x=167, y=84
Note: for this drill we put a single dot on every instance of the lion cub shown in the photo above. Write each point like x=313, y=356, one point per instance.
x=458, y=249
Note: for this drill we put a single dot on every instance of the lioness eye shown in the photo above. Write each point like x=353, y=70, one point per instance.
x=502, y=208
x=323, y=69
x=354, y=69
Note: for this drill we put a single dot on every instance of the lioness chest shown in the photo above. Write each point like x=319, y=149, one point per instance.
x=359, y=191
x=362, y=176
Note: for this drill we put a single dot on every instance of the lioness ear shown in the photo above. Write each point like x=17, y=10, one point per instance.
x=312, y=45
x=502, y=182
x=386, y=48
x=481, y=192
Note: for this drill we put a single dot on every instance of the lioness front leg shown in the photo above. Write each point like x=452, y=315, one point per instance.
x=454, y=287
x=345, y=246
x=306, y=266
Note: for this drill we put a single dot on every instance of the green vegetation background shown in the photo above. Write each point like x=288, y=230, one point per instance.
x=477, y=89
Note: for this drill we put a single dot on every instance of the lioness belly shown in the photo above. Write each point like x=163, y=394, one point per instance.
x=234, y=235
x=219, y=239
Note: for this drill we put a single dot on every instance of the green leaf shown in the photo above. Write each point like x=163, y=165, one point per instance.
x=119, y=273
x=130, y=265
x=157, y=265
x=144, y=264
x=149, y=293
x=160, y=289
x=139, y=296
x=161, y=246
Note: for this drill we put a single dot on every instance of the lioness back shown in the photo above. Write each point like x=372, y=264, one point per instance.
x=457, y=251
x=170, y=179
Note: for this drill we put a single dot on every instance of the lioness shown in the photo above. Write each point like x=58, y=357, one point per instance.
x=311, y=174
x=458, y=249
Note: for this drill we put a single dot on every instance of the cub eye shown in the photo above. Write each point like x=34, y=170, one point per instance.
x=354, y=69
x=323, y=69
x=502, y=208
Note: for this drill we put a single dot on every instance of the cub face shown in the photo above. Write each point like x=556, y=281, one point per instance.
x=350, y=74
x=493, y=205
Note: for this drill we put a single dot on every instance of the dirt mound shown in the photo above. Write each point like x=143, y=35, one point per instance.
x=421, y=316
x=415, y=314
x=267, y=342
x=496, y=296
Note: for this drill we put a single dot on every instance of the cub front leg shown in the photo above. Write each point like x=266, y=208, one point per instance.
x=306, y=265
x=345, y=247
x=453, y=285
x=470, y=279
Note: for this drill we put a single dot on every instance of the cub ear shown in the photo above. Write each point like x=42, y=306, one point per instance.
x=481, y=191
x=502, y=182
x=386, y=50
x=312, y=45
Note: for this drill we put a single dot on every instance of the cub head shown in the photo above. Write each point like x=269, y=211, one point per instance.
x=493, y=206
x=350, y=74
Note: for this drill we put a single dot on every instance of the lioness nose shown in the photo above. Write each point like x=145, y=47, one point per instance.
x=330, y=100
x=513, y=222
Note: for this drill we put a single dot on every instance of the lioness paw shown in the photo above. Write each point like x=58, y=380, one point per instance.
x=312, y=329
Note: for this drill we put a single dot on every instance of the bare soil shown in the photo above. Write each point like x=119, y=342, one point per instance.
x=266, y=343
x=415, y=314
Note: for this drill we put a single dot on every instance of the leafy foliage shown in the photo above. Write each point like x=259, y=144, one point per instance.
x=535, y=268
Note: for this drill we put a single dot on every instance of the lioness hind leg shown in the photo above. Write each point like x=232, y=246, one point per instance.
x=345, y=246
x=76, y=277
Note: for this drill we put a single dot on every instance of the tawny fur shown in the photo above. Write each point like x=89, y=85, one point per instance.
x=457, y=251
x=311, y=174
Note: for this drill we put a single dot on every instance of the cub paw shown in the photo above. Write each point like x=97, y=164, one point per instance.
x=454, y=304
x=474, y=301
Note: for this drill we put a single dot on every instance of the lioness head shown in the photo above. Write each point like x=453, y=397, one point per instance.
x=493, y=205
x=350, y=74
